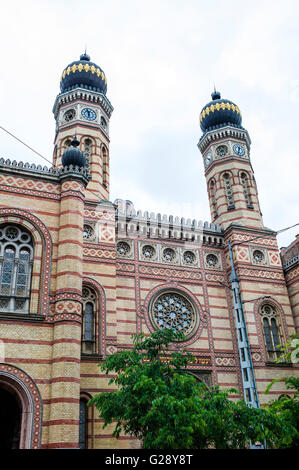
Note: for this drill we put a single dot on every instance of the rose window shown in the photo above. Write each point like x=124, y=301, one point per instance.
x=212, y=260
x=88, y=232
x=148, y=251
x=123, y=248
x=258, y=256
x=69, y=115
x=189, y=257
x=169, y=254
x=222, y=150
x=174, y=311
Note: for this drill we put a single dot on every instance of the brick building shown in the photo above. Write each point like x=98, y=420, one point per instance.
x=79, y=274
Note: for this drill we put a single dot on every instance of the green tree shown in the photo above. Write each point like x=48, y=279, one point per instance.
x=287, y=407
x=158, y=402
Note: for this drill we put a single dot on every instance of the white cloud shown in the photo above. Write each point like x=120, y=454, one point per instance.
x=161, y=59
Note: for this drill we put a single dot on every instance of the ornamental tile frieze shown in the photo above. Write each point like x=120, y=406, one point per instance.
x=292, y=274
x=98, y=253
x=164, y=272
x=125, y=267
x=29, y=184
x=267, y=241
x=225, y=361
x=264, y=274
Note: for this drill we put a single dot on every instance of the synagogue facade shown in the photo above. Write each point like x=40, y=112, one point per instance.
x=80, y=274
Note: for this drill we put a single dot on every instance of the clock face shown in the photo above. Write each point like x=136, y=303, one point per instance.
x=239, y=150
x=89, y=114
x=208, y=159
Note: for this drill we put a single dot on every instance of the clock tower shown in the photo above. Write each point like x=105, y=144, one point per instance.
x=82, y=109
x=225, y=148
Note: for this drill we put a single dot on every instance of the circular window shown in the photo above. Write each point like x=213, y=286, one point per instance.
x=69, y=115
x=212, y=260
x=189, y=257
x=148, y=251
x=174, y=311
x=258, y=256
x=168, y=254
x=123, y=248
x=222, y=150
x=88, y=232
x=11, y=233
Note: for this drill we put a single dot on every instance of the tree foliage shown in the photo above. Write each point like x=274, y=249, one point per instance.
x=160, y=403
x=287, y=407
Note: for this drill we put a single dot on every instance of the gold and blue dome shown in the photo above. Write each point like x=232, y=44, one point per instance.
x=84, y=74
x=219, y=113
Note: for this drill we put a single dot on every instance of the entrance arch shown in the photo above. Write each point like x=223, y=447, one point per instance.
x=21, y=409
x=10, y=420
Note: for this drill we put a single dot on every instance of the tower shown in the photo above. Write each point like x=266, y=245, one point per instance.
x=225, y=147
x=82, y=109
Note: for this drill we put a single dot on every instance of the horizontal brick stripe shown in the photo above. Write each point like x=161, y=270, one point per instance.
x=78, y=258
x=61, y=445
x=57, y=380
x=70, y=241
x=51, y=401
x=59, y=422
x=41, y=361
x=68, y=273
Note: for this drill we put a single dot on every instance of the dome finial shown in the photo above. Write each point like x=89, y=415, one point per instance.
x=85, y=56
x=216, y=94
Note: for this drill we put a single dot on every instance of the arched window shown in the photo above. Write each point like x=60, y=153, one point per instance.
x=16, y=258
x=103, y=123
x=228, y=191
x=245, y=186
x=105, y=165
x=89, y=324
x=272, y=331
x=87, y=148
x=83, y=424
x=213, y=198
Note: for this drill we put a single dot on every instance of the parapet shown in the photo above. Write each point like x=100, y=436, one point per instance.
x=152, y=225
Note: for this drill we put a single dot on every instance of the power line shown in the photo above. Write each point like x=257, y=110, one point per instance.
x=26, y=145
x=35, y=151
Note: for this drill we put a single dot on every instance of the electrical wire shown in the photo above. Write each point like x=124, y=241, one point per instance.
x=40, y=155
x=35, y=151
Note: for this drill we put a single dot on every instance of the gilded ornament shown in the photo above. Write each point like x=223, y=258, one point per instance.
x=80, y=67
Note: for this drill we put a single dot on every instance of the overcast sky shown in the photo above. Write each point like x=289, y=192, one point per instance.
x=161, y=59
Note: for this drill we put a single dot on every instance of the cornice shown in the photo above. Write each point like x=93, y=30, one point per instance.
x=223, y=133
x=85, y=95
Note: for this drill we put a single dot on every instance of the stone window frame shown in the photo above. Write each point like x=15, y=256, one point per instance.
x=90, y=346
x=196, y=262
x=218, y=266
x=227, y=181
x=130, y=254
x=272, y=353
x=93, y=238
x=156, y=256
x=264, y=251
x=17, y=245
x=175, y=260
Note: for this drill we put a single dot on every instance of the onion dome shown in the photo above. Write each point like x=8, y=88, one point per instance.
x=84, y=74
x=219, y=113
x=73, y=155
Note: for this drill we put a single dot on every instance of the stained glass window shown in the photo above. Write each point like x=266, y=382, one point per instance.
x=16, y=257
x=271, y=328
